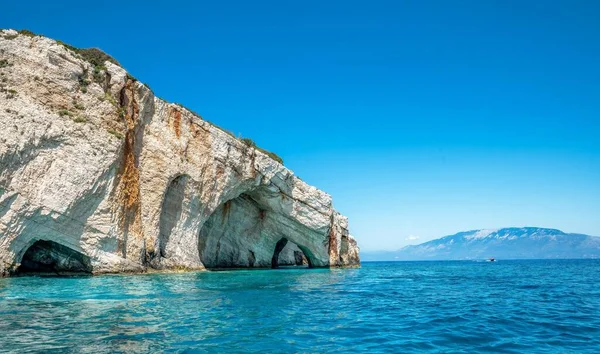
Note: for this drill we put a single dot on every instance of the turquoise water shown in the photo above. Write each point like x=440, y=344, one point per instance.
x=506, y=307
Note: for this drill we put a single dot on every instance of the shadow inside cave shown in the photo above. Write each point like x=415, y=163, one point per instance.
x=50, y=258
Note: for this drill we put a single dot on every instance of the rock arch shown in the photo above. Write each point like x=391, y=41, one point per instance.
x=288, y=254
x=248, y=232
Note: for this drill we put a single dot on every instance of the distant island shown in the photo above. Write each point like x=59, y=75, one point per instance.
x=506, y=243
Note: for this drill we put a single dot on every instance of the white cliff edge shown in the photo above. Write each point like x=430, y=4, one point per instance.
x=98, y=175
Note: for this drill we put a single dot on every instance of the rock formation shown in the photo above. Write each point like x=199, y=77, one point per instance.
x=98, y=175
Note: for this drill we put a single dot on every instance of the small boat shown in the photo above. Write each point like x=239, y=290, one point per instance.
x=491, y=259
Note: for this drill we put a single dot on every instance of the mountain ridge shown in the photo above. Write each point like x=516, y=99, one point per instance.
x=506, y=243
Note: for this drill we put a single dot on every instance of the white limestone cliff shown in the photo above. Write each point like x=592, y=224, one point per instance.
x=99, y=175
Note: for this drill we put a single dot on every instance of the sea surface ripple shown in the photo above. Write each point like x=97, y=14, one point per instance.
x=411, y=307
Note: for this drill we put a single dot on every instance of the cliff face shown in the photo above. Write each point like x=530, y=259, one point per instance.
x=99, y=175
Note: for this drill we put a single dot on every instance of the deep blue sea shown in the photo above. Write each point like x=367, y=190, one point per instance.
x=403, y=307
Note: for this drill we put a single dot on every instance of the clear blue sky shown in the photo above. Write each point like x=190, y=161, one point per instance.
x=421, y=118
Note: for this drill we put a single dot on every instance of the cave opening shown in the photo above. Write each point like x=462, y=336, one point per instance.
x=287, y=254
x=171, y=210
x=51, y=258
x=252, y=231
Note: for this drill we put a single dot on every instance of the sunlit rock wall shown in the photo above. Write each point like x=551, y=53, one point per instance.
x=91, y=160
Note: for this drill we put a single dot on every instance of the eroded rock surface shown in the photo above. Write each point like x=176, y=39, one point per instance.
x=93, y=162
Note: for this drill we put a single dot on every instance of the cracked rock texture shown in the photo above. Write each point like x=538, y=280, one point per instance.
x=99, y=175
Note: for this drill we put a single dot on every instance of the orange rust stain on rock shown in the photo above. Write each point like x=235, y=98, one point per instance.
x=220, y=171
x=175, y=115
x=199, y=146
x=128, y=192
x=130, y=176
x=333, y=246
x=194, y=129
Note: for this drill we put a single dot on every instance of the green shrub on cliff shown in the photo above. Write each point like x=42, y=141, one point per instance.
x=272, y=155
x=250, y=143
x=27, y=32
x=94, y=56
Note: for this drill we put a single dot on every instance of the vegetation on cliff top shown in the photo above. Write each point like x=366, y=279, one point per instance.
x=249, y=142
x=97, y=58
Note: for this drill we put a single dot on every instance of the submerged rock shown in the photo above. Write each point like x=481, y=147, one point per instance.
x=115, y=179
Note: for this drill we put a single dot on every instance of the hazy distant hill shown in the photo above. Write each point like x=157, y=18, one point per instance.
x=508, y=243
